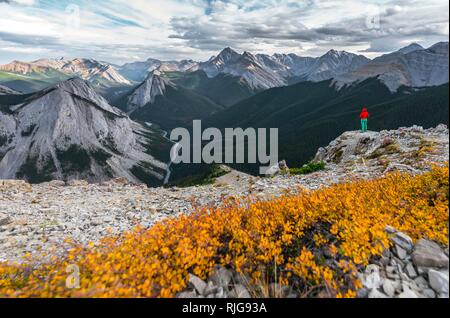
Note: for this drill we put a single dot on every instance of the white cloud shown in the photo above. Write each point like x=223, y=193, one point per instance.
x=119, y=30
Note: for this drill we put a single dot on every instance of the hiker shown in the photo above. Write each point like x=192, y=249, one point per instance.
x=364, y=117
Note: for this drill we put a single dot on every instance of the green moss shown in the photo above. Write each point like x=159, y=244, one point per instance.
x=308, y=168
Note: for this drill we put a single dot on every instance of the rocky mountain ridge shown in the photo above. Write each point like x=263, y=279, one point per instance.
x=410, y=66
x=69, y=131
x=87, y=69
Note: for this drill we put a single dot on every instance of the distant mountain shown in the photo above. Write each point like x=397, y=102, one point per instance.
x=37, y=75
x=309, y=115
x=88, y=69
x=28, y=78
x=223, y=89
x=410, y=48
x=138, y=71
x=71, y=132
x=412, y=66
x=287, y=65
x=335, y=63
x=162, y=102
x=154, y=85
x=244, y=66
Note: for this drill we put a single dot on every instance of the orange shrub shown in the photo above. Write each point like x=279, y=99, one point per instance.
x=346, y=219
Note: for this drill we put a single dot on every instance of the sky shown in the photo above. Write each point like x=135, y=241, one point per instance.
x=120, y=31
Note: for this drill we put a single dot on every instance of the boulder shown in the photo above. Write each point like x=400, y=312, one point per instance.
x=400, y=252
x=198, y=284
x=239, y=291
x=402, y=240
x=371, y=279
x=429, y=293
x=375, y=293
x=408, y=294
x=221, y=276
x=409, y=269
x=429, y=254
x=389, y=288
x=438, y=281
x=187, y=294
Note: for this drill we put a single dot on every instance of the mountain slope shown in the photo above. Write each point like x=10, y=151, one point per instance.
x=335, y=63
x=88, y=69
x=245, y=66
x=287, y=65
x=7, y=91
x=71, y=132
x=160, y=101
x=37, y=75
x=29, y=79
x=309, y=115
x=410, y=66
x=138, y=71
x=223, y=89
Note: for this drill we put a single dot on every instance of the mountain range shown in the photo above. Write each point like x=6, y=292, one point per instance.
x=87, y=119
x=29, y=77
x=412, y=66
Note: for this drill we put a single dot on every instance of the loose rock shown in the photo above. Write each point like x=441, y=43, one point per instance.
x=438, y=281
x=429, y=254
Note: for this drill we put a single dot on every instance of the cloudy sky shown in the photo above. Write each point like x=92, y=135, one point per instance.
x=127, y=30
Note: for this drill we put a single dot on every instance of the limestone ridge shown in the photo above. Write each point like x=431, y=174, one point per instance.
x=154, y=85
x=69, y=131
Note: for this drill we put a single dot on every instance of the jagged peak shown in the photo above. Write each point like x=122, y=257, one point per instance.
x=411, y=48
x=228, y=54
x=74, y=82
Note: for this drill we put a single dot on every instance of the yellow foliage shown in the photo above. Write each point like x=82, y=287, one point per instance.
x=347, y=219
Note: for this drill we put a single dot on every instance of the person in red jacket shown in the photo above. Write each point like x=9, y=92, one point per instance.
x=364, y=118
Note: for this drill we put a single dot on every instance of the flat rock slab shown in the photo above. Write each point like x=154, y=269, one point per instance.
x=429, y=254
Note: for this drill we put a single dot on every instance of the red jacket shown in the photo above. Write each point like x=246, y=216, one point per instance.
x=364, y=114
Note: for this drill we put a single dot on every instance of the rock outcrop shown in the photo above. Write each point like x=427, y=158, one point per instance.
x=407, y=270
